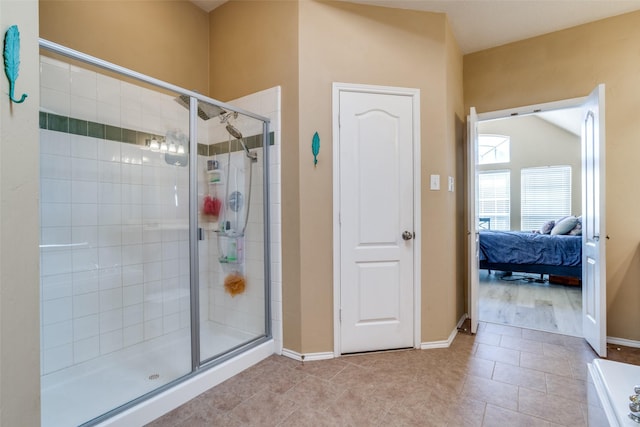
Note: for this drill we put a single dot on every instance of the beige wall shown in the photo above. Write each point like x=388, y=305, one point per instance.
x=535, y=143
x=254, y=46
x=342, y=42
x=168, y=40
x=456, y=136
x=19, y=227
x=569, y=64
x=292, y=43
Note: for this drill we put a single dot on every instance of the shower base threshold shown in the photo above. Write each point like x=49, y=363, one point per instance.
x=75, y=395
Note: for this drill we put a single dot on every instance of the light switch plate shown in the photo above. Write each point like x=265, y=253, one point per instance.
x=435, y=182
x=451, y=185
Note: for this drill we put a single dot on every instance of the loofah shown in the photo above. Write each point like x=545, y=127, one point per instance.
x=234, y=284
x=211, y=206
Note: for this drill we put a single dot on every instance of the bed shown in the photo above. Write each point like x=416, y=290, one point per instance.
x=515, y=251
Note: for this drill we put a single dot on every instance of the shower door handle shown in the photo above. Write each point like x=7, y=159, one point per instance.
x=200, y=234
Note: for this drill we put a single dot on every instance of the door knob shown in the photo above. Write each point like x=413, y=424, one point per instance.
x=407, y=235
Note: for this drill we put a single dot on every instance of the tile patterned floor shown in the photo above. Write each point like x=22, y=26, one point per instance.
x=503, y=376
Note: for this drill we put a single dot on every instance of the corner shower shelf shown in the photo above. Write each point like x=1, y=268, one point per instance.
x=215, y=176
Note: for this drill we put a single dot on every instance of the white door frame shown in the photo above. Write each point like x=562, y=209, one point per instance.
x=473, y=235
x=337, y=256
x=506, y=113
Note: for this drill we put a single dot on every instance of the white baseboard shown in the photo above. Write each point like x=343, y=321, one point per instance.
x=330, y=355
x=444, y=343
x=623, y=341
x=307, y=356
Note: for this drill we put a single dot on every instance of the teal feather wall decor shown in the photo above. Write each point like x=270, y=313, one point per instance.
x=12, y=60
x=315, y=148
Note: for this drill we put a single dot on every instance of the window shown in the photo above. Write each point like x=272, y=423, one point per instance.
x=545, y=195
x=494, y=198
x=493, y=149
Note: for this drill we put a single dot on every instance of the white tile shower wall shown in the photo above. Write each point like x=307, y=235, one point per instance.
x=247, y=311
x=114, y=218
x=114, y=271
x=244, y=312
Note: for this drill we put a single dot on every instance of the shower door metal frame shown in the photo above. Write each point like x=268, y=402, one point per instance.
x=197, y=365
x=194, y=232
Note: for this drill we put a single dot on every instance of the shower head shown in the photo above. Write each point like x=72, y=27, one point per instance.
x=205, y=110
x=234, y=132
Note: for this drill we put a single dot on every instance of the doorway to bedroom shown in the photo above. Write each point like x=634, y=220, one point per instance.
x=535, y=233
x=529, y=179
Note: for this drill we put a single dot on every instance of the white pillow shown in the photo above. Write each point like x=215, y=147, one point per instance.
x=564, y=226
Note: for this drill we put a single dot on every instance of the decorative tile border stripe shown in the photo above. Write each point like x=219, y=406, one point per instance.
x=253, y=141
x=74, y=126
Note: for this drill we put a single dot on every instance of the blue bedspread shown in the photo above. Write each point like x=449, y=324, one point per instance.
x=514, y=247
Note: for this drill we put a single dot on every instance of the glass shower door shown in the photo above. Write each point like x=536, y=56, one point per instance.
x=115, y=292
x=231, y=245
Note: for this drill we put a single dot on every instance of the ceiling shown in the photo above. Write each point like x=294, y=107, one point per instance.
x=568, y=119
x=482, y=24
x=208, y=5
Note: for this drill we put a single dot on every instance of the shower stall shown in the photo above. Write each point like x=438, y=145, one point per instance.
x=154, y=236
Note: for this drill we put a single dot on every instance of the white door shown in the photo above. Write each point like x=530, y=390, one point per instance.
x=472, y=230
x=376, y=202
x=594, y=292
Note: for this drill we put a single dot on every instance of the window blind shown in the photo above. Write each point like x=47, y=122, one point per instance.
x=494, y=198
x=545, y=195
